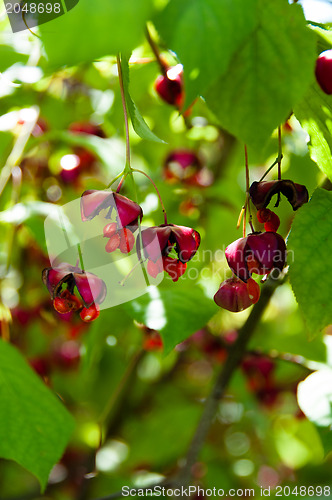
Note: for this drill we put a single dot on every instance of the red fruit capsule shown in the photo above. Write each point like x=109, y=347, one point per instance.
x=89, y=314
x=170, y=86
x=324, y=71
x=261, y=193
x=235, y=295
x=258, y=253
x=89, y=287
x=162, y=238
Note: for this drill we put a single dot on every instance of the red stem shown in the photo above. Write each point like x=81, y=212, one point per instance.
x=157, y=191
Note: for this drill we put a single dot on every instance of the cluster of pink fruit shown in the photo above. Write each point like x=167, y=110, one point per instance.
x=157, y=244
x=260, y=252
x=158, y=241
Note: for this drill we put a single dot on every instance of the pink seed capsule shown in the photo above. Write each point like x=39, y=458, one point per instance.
x=324, y=71
x=235, y=295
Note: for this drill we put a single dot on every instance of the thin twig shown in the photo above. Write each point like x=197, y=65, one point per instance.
x=269, y=170
x=155, y=50
x=157, y=191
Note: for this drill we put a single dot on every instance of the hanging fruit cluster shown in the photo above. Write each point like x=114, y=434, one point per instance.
x=91, y=290
x=258, y=253
x=157, y=244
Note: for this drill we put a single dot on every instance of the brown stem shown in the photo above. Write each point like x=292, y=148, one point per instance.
x=295, y=359
x=155, y=50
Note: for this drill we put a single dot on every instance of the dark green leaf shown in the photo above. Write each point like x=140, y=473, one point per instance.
x=205, y=34
x=175, y=313
x=34, y=425
x=268, y=74
x=8, y=57
x=139, y=124
x=94, y=29
x=310, y=245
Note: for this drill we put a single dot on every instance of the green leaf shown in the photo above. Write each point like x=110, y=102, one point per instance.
x=175, y=313
x=139, y=124
x=297, y=441
x=21, y=212
x=314, y=113
x=94, y=29
x=267, y=76
x=324, y=38
x=205, y=34
x=9, y=56
x=310, y=246
x=34, y=425
x=32, y=214
x=314, y=396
